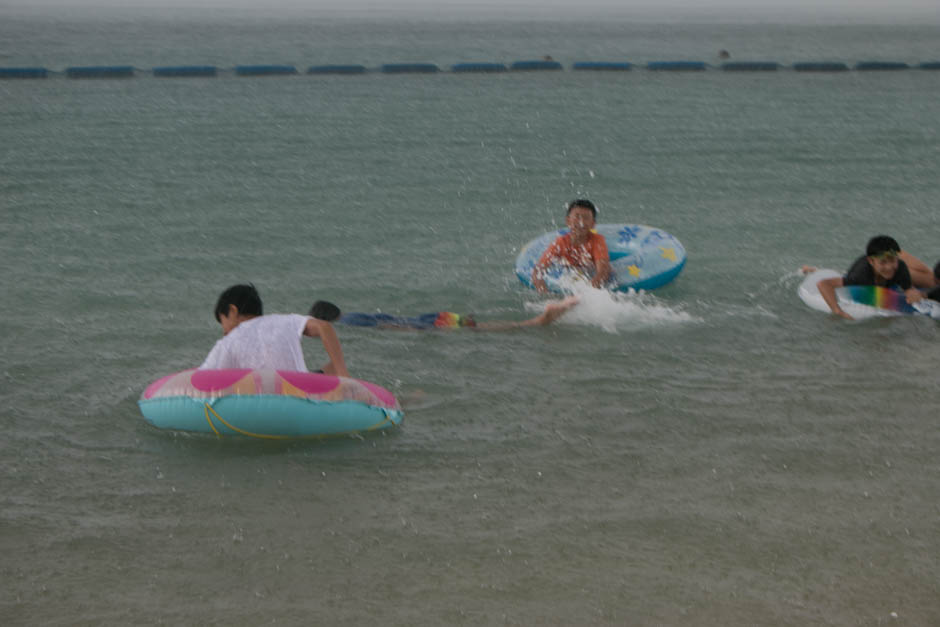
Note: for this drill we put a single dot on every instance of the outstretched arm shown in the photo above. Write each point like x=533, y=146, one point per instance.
x=827, y=289
x=324, y=330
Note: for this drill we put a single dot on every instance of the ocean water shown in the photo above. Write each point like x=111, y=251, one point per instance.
x=711, y=453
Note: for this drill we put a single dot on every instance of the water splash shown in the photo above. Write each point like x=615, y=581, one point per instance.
x=620, y=311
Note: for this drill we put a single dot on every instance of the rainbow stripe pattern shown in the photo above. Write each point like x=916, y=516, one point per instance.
x=878, y=297
x=450, y=320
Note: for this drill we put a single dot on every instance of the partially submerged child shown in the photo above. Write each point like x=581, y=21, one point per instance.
x=437, y=320
x=881, y=265
x=256, y=341
x=581, y=248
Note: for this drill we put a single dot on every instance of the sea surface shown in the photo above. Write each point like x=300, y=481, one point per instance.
x=710, y=453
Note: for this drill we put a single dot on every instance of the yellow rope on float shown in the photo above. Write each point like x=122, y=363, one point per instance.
x=209, y=420
x=263, y=436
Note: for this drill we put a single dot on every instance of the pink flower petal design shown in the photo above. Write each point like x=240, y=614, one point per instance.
x=310, y=382
x=212, y=380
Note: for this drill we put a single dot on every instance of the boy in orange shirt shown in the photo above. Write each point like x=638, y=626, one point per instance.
x=581, y=248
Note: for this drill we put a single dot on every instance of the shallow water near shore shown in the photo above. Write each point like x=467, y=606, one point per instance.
x=711, y=453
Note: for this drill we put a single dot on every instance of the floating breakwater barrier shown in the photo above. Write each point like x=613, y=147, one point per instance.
x=265, y=70
x=23, y=72
x=187, y=71
x=750, y=66
x=535, y=66
x=676, y=66
x=479, y=67
x=337, y=69
x=820, y=66
x=100, y=71
x=880, y=66
x=410, y=68
x=602, y=66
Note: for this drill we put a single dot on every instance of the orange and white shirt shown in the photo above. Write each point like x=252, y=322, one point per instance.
x=584, y=256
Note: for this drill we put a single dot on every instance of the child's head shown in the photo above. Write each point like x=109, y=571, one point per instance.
x=325, y=310
x=245, y=300
x=882, y=252
x=584, y=204
x=881, y=244
x=581, y=217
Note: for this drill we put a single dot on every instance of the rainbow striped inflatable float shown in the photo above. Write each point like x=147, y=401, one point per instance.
x=269, y=404
x=864, y=301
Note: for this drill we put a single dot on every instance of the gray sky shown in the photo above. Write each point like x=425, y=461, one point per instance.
x=830, y=10
x=848, y=6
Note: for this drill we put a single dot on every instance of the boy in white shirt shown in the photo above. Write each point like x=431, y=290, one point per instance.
x=253, y=340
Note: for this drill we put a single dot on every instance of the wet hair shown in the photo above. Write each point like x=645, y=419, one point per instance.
x=881, y=244
x=244, y=297
x=585, y=204
x=936, y=271
x=325, y=310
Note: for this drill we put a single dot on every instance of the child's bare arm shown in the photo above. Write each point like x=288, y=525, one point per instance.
x=921, y=275
x=827, y=289
x=603, y=273
x=324, y=330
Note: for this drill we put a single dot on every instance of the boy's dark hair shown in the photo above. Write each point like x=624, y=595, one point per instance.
x=325, y=310
x=881, y=244
x=581, y=202
x=245, y=297
x=936, y=270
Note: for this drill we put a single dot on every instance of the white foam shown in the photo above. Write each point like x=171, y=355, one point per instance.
x=619, y=311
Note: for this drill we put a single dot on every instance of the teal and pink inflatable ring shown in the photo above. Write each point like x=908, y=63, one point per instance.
x=271, y=404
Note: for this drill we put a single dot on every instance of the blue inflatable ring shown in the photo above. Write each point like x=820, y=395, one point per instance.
x=642, y=257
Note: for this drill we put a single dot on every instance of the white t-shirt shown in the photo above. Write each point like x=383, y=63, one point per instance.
x=265, y=342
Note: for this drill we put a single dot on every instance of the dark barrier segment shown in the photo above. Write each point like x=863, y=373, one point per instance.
x=185, y=70
x=126, y=71
x=336, y=69
x=816, y=66
x=410, y=68
x=602, y=66
x=675, y=66
x=750, y=66
x=530, y=66
x=479, y=67
x=869, y=66
x=265, y=70
x=100, y=71
x=23, y=72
